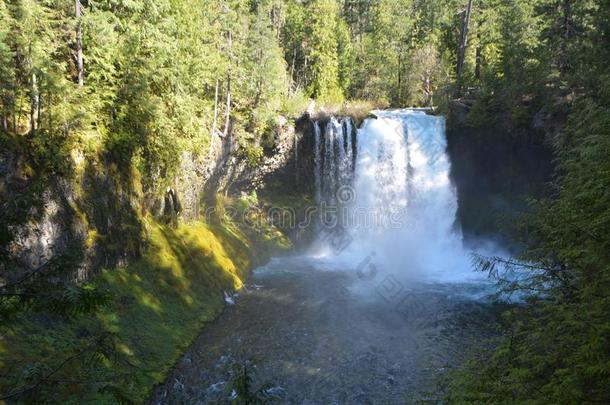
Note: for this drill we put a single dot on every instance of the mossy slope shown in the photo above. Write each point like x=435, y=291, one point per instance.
x=159, y=305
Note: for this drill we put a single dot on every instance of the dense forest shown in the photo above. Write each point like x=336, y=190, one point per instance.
x=141, y=82
x=149, y=80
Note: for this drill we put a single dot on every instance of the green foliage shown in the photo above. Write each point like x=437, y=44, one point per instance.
x=555, y=350
x=295, y=104
x=249, y=150
x=242, y=384
x=323, y=51
x=253, y=154
x=151, y=71
x=250, y=200
x=6, y=56
x=262, y=90
x=253, y=219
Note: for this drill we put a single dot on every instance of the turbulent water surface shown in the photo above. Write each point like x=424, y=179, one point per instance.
x=312, y=333
x=384, y=303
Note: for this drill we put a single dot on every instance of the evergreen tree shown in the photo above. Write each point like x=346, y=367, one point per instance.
x=7, y=73
x=323, y=50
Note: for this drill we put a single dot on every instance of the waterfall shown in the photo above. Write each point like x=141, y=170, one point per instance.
x=349, y=153
x=317, y=164
x=329, y=161
x=341, y=154
x=333, y=158
x=403, y=207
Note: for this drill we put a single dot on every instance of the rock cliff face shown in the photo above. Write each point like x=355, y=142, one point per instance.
x=286, y=166
x=93, y=218
x=43, y=237
x=496, y=167
x=85, y=222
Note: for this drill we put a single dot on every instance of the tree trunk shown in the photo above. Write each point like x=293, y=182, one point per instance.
x=49, y=111
x=228, y=111
x=428, y=90
x=294, y=59
x=478, y=54
x=33, y=103
x=477, y=68
x=399, y=84
x=17, y=101
x=18, y=113
x=462, y=48
x=305, y=77
x=79, y=45
x=215, y=118
x=566, y=35
x=39, y=118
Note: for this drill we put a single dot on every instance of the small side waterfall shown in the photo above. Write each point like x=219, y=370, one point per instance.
x=330, y=174
x=349, y=152
x=333, y=158
x=400, y=205
x=317, y=164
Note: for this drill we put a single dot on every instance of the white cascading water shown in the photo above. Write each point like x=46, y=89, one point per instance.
x=349, y=153
x=402, y=208
x=333, y=158
x=317, y=164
